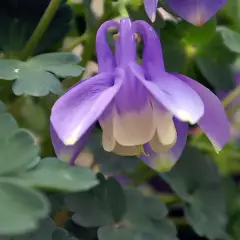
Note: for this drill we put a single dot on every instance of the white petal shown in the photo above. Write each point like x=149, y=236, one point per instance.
x=134, y=128
x=166, y=130
x=108, y=140
x=157, y=146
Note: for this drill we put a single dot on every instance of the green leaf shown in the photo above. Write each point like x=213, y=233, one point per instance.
x=17, y=151
x=8, y=125
x=207, y=212
x=34, y=115
x=217, y=51
x=36, y=83
x=214, y=62
x=9, y=69
x=183, y=41
x=197, y=36
x=231, y=39
x=219, y=75
x=80, y=232
x=144, y=216
x=111, y=232
x=47, y=60
x=187, y=175
x=62, y=64
x=2, y=107
x=145, y=219
x=174, y=49
x=22, y=208
x=91, y=208
x=196, y=180
x=232, y=190
x=138, y=213
x=231, y=12
x=116, y=199
x=66, y=70
x=37, y=76
x=51, y=173
x=46, y=231
x=61, y=234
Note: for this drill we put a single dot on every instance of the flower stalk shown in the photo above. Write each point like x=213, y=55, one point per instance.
x=40, y=29
x=230, y=97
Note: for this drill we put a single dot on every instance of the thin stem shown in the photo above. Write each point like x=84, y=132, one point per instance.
x=232, y=110
x=40, y=29
x=77, y=42
x=231, y=96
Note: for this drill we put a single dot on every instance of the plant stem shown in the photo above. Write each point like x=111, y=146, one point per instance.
x=233, y=110
x=40, y=29
x=77, y=42
x=230, y=97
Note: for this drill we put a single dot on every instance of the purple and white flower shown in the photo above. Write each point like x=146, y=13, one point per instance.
x=142, y=109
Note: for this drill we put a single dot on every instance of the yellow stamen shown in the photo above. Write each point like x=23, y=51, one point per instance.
x=136, y=36
x=141, y=151
x=116, y=36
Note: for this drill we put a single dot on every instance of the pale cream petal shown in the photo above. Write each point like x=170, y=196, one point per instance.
x=108, y=140
x=166, y=130
x=157, y=146
x=125, y=150
x=134, y=128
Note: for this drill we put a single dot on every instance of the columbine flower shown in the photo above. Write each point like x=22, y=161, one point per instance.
x=195, y=12
x=142, y=109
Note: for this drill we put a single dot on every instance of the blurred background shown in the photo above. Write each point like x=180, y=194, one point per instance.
x=208, y=54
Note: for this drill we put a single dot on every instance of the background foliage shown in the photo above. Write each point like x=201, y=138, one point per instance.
x=107, y=197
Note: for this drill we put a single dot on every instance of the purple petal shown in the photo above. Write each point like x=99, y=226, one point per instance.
x=182, y=133
x=152, y=52
x=176, y=96
x=196, y=11
x=75, y=112
x=151, y=7
x=214, y=122
x=126, y=43
x=132, y=96
x=165, y=161
x=106, y=61
x=67, y=153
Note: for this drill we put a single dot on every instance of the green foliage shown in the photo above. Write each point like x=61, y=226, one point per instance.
x=47, y=230
x=134, y=214
x=196, y=180
x=22, y=171
x=39, y=75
